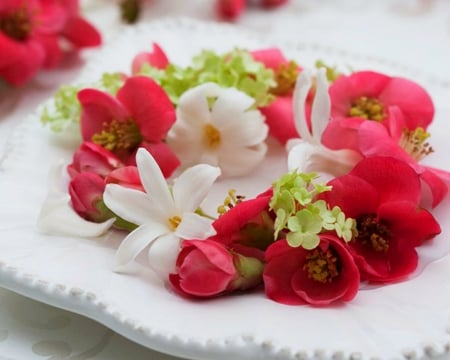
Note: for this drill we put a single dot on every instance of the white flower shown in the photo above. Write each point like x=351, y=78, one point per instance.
x=307, y=153
x=216, y=126
x=57, y=216
x=163, y=216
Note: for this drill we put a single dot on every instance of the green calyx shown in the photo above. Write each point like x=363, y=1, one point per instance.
x=65, y=108
x=235, y=69
x=301, y=217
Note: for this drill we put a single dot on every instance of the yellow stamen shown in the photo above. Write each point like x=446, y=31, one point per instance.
x=230, y=201
x=285, y=77
x=174, y=221
x=322, y=266
x=367, y=108
x=373, y=233
x=211, y=136
x=415, y=144
x=118, y=135
x=17, y=24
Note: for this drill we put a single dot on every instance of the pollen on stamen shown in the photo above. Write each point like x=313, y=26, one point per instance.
x=174, y=221
x=118, y=135
x=367, y=108
x=414, y=142
x=17, y=24
x=211, y=136
x=285, y=77
x=322, y=266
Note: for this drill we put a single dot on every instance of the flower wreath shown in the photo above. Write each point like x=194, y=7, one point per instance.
x=352, y=206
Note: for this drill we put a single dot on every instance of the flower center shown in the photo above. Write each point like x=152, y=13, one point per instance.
x=285, y=77
x=322, y=266
x=16, y=24
x=174, y=221
x=367, y=108
x=373, y=233
x=415, y=144
x=118, y=135
x=211, y=136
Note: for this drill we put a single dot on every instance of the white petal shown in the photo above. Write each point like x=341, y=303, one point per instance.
x=302, y=87
x=162, y=255
x=240, y=161
x=136, y=241
x=230, y=104
x=194, y=226
x=321, y=107
x=132, y=205
x=248, y=131
x=153, y=180
x=192, y=186
x=57, y=216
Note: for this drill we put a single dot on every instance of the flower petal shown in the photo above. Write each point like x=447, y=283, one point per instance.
x=136, y=241
x=163, y=155
x=192, y=186
x=194, y=226
x=162, y=255
x=156, y=58
x=234, y=163
x=248, y=131
x=321, y=107
x=229, y=106
x=301, y=91
x=81, y=33
x=133, y=205
x=193, y=106
x=153, y=180
x=280, y=119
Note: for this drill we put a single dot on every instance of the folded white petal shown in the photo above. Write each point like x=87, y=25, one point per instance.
x=237, y=162
x=194, y=226
x=301, y=90
x=136, y=241
x=193, y=106
x=192, y=186
x=162, y=255
x=153, y=180
x=229, y=106
x=250, y=130
x=321, y=107
x=132, y=205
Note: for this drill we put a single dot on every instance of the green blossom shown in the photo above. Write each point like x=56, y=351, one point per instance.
x=301, y=217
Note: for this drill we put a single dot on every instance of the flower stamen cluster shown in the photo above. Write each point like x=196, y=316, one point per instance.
x=414, y=142
x=367, y=108
x=118, y=135
x=17, y=24
x=322, y=266
x=285, y=77
x=373, y=233
x=230, y=202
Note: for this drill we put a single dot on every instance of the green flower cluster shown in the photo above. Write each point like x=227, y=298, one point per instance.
x=65, y=108
x=234, y=69
x=301, y=216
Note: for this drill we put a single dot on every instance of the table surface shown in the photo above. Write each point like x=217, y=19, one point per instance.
x=415, y=33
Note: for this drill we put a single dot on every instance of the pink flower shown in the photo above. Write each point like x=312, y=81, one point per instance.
x=322, y=276
x=395, y=102
x=156, y=58
x=30, y=32
x=127, y=176
x=279, y=115
x=139, y=116
x=206, y=268
x=230, y=9
x=382, y=194
x=91, y=157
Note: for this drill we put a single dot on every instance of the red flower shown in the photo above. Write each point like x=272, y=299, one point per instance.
x=156, y=58
x=279, y=114
x=324, y=275
x=91, y=157
x=139, y=116
x=207, y=268
x=127, y=176
x=395, y=102
x=230, y=9
x=382, y=195
x=30, y=32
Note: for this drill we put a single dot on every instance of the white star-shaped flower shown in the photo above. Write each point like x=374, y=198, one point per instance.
x=163, y=215
x=217, y=126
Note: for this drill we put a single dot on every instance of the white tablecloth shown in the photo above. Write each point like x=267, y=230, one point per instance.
x=413, y=33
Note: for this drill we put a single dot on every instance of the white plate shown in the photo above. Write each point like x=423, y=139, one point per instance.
x=406, y=319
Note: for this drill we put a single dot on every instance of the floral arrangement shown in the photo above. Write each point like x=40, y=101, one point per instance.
x=352, y=207
x=34, y=35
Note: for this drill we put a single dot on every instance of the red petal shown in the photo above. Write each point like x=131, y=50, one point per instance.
x=272, y=58
x=81, y=33
x=156, y=58
x=149, y=106
x=280, y=119
x=53, y=53
x=434, y=179
x=342, y=134
x=230, y=9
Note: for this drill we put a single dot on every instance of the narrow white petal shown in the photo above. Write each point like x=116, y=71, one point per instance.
x=250, y=130
x=136, y=241
x=302, y=87
x=321, y=107
x=153, y=180
x=240, y=161
x=194, y=226
x=162, y=255
x=132, y=205
x=228, y=107
x=300, y=156
x=192, y=186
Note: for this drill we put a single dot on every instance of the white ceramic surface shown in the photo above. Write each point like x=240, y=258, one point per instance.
x=406, y=319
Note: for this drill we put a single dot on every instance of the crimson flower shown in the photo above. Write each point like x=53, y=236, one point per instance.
x=127, y=176
x=90, y=157
x=232, y=9
x=382, y=194
x=139, y=116
x=156, y=58
x=322, y=276
x=206, y=268
x=395, y=102
x=30, y=33
x=279, y=115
